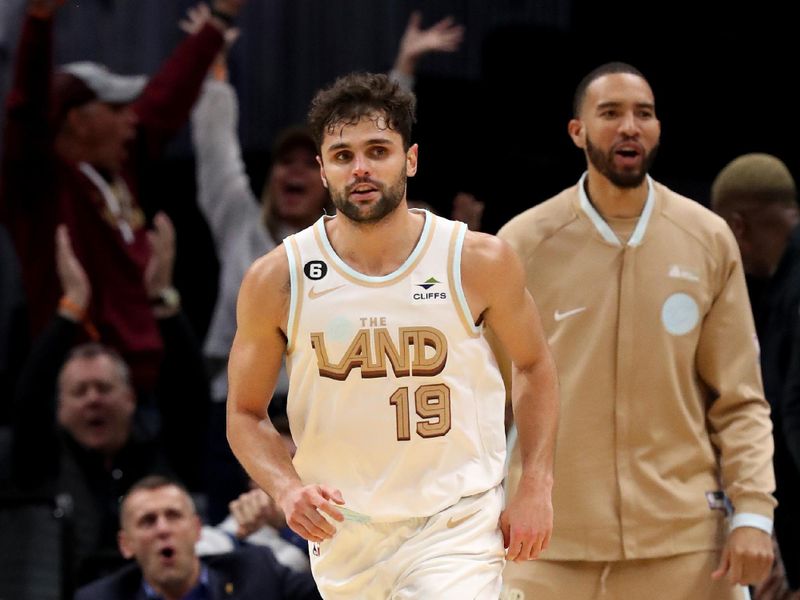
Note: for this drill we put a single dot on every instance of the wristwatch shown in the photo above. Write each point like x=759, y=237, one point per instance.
x=167, y=297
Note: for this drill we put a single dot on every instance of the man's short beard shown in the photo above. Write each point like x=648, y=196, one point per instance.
x=622, y=179
x=390, y=199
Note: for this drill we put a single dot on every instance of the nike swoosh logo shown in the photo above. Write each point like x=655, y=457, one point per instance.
x=453, y=522
x=560, y=316
x=313, y=294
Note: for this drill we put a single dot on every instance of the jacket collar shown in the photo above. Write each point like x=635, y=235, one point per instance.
x=603, y=228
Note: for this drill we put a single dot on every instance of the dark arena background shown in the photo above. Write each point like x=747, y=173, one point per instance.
x=492, y=116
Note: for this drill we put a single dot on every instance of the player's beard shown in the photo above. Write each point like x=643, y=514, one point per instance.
x=626, y=179
x=390, y=198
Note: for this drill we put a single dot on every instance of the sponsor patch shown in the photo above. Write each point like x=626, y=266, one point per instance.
x=429, y=291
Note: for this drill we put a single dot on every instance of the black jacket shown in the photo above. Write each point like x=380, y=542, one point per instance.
x=167, y=439
x=776, y=308
x=251, y=573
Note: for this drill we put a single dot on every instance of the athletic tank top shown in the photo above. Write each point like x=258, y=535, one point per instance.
x=395, y=396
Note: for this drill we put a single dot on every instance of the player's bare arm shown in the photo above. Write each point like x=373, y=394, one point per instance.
x=253, y=368
x=494, y=281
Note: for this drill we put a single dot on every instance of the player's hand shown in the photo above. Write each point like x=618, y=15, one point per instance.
x=527, y=522
x=746, y=558
x=304, y=507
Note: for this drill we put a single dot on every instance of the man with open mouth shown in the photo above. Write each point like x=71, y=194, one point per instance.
x=159, y=528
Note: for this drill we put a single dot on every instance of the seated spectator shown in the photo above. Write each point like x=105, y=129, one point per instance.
x=159, y=528
x=255, y=518
x=76, y=145
x=79, y=429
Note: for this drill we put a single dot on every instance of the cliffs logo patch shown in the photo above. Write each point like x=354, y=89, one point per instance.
x=429, y=283
x=429, y=290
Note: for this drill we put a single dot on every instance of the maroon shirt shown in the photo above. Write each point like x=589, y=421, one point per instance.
x=39, y=190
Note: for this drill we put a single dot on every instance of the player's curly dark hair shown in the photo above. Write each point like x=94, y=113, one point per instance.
x=358, y=95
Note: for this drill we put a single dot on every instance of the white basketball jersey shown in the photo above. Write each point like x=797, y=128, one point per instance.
x=395, y=396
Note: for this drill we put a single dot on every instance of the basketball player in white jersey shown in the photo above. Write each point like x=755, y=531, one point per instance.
x=396, y=402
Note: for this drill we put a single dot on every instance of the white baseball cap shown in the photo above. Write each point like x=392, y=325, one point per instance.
x=107, y=86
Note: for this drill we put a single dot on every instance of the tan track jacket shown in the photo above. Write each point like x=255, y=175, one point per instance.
x=661, y=393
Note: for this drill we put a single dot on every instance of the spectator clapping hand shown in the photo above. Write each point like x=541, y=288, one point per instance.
x=197, y=15
x=221, y=14
x=158, y=272
x=253, y=510
x=74, y=283
x=442, y=36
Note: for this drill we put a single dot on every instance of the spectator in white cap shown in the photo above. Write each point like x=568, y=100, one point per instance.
x=92, y=113
x=107, y=86
x=76, y=143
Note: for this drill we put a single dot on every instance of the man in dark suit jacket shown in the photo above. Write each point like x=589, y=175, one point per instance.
x=757, y=195
x=159, y=528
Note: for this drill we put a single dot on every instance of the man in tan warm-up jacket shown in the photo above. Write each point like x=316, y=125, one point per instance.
x=664, y=427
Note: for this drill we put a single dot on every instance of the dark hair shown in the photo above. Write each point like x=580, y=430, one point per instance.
x=358, y=95
x=154, y=482
x=609, y=68
x=290, y=138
